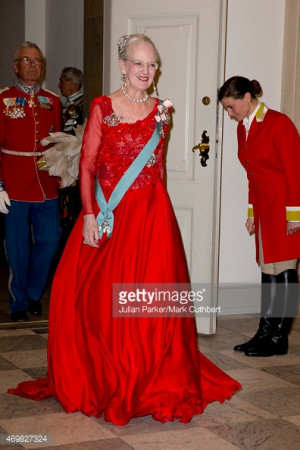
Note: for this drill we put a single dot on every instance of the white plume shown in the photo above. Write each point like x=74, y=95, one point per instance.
x=62, y=159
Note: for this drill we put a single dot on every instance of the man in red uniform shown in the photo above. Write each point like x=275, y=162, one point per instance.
x=28, y=196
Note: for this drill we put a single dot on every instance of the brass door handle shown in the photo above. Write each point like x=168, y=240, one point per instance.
x=203, y=148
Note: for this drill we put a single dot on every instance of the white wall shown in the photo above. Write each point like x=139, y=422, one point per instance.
x=254, y=50
x=64, y=37
x=57, y=28
x=35, y=13
x=11, y=12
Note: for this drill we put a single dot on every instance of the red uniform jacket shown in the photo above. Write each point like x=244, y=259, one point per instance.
x=24, y=121
x=271, y=157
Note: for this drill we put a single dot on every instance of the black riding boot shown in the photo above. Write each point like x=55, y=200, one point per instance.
x=283, y=313
x=268, y=294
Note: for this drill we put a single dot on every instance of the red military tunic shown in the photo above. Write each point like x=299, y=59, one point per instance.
x=271, y=158
x=24, y=120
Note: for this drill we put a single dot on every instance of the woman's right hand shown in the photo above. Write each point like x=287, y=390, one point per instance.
x=90, y=230
x=250, y=225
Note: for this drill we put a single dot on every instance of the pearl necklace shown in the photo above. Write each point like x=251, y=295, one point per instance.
x=136, y=100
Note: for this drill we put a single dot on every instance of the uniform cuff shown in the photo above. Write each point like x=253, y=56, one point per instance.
x=250, y=211
x=293, y=213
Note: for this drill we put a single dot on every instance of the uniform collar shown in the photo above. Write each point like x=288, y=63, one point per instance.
x=75, y=96
x=27, y=89
x=259, y=113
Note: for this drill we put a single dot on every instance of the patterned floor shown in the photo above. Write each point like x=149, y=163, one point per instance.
x=265, y=414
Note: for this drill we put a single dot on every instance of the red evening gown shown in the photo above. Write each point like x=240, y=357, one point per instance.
x=124, y=367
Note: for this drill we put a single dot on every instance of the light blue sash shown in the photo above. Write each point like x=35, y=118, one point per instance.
x=105, y=218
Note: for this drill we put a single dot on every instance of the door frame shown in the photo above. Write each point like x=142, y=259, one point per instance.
x=218, y=168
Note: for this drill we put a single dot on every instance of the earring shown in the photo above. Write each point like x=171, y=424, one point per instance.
x=123, y=77
x=154, y=88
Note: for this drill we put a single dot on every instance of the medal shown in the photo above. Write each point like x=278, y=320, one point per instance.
x=15, y=107
x=45, y=102
x=31, y=101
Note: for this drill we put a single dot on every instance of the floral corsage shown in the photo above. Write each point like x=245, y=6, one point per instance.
x=163, y=115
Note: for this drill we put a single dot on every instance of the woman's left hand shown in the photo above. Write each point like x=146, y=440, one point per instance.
x=90, y=230
x=292, y=227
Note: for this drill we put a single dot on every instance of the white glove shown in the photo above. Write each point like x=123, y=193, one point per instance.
x=4, y=201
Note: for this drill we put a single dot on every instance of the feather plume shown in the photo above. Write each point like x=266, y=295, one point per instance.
x=62, y=159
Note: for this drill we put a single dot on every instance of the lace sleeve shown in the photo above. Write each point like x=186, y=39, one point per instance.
x=89, y=152
x=161, y=156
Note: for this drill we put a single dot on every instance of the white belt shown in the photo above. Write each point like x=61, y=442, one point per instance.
x=14, y=152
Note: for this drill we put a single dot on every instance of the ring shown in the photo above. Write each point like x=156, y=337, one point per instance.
x=84, y=242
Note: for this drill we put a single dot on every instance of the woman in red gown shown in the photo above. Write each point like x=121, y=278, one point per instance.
x=99, y=363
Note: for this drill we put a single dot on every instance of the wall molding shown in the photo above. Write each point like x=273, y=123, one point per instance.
x=290, y=95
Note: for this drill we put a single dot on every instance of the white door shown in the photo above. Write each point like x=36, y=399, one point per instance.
x=187, y=35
